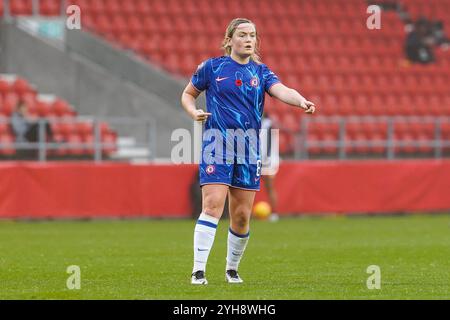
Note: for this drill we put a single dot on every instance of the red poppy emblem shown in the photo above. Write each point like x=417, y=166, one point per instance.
x=238, y=82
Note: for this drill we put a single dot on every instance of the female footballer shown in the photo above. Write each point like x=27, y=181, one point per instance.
x=235, y=86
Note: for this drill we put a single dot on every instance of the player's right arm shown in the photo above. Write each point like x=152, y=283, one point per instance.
x=188, y=98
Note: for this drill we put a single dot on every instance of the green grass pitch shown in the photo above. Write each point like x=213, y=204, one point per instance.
x=294, y=258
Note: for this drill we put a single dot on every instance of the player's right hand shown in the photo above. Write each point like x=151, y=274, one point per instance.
x=200, y=115
x=308, y=106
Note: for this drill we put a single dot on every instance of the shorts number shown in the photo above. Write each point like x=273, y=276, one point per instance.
x=258, y=168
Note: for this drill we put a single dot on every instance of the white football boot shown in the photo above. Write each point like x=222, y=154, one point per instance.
x=232, y=276
x=198, y=277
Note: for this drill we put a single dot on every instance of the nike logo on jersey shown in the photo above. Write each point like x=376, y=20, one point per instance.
x=220, y=79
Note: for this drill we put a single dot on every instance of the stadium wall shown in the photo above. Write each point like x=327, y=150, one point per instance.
x=86, y=190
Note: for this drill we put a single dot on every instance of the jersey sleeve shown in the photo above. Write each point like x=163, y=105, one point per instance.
x=200, y=78
x=270, y=78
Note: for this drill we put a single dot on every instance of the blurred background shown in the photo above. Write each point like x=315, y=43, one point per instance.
x=86, y=115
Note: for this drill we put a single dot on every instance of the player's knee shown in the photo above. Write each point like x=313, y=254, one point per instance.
x=241, y=218
x=213, y=206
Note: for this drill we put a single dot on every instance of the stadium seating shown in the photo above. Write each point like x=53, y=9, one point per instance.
x=323, y=48
x=49, y=8
x=66, y=125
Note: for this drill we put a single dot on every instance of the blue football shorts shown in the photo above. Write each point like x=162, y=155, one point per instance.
x=243, y=176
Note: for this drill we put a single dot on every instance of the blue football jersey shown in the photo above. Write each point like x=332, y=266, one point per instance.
x=235, y=98
x=234, y=92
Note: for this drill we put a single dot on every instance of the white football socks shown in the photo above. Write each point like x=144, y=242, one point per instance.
x=236, y=247
x=204, y=233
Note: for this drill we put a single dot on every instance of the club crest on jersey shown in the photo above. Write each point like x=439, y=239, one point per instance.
x=254, y=82
x=210, y=169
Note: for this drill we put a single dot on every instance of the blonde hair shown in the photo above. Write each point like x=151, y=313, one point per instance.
x=229, y=34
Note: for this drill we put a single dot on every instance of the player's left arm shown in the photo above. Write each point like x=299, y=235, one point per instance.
x=292, y=97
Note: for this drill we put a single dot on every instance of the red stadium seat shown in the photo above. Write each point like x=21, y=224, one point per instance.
x=9, y=103
x=290, y=122
x=313, y=149
x=422, y=129
x=362, y=105
x=105, y=129
x=61, y=107
x=405, y=105
x=21, y=7
x=405, y=143
x=346, y=105
x=331, y=148
x=29, y=98
x=43, y=108
x=317, y=128
x=4, y=127
x=66, y=128
x=110, y=141
x=143, y=8
x=378, y=143
x=90, y=149
x=284, y=142
x=58, y=138
x=4, y=86
x=20, y=86
x=353, y=128
x=84, y=128
x=330, y=105
x=7, y=141
x=130, y=8
x=118, y=24
x=424, y=144
x=49, y=8
x=74, y=140
x=402, y=127
x=445, y=129
x=361, y=148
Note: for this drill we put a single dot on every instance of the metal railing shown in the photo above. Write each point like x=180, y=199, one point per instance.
x=143, y=130
x=94, y=148
x=389, y=140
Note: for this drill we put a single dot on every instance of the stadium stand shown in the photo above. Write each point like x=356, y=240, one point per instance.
x=323, y=48
x=66, y=125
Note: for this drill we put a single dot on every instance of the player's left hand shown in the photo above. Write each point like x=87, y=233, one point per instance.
x=308, y=106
